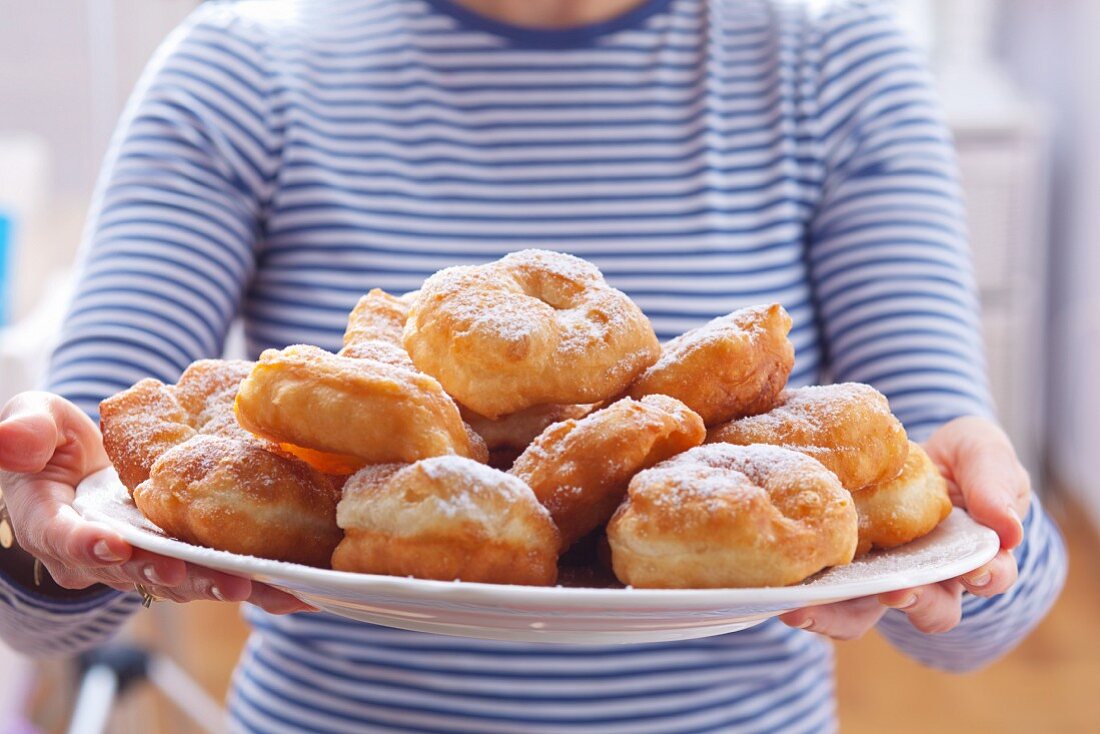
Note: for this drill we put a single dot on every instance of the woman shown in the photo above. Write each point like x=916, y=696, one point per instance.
x=279, y=159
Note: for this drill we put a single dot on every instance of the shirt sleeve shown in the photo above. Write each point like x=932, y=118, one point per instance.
x=168, y=254
x=34, y=624
x=893, y=283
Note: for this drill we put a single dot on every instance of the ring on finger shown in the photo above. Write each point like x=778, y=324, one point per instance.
x=147, y=597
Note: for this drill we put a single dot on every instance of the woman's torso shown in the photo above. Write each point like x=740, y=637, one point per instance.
x=674, y=148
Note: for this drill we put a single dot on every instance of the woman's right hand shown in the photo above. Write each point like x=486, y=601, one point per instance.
x=47, y=446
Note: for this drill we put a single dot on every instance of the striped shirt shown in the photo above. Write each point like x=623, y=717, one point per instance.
x=281, y=158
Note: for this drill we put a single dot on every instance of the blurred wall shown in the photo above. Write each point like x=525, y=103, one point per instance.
x=66, y=67
x=59, y=82
x=1053, y=51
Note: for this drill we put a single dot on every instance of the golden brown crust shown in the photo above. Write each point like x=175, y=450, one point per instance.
x=903, y=509
x=498, y=336
x=138, y=425
x=443, y=559
x=377, y=316
x=235, y=496
x=375, y=327
x=374, y=332
x=141, y=423
x=848, y=427
x=478, y=450
x=731, y=516
x=339, y=414
x=734, y=366
x=207, y=388
x=445, y=518
x=380, y=351
x=580, y=469
x=517, y=430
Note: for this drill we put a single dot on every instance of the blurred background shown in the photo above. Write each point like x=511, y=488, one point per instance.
x=1017, y=78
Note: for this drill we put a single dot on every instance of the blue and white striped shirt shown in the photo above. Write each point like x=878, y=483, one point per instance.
x=281, y=158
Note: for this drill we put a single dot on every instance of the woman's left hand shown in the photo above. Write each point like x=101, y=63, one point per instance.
x=986, y=479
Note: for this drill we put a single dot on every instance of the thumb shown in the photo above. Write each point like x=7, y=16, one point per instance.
x=27, y=441
x=48, y=526
x=38, y=428
x=981, y=462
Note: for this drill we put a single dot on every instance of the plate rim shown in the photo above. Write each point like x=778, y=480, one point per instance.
x=515, y=596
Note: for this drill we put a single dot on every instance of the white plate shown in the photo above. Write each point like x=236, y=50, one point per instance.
x=558, y=614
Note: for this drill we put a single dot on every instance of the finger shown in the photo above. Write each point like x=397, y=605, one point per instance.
x=67, y=577
x=995, y=577
x=124, y=577
x=81, y=543
x=38, y=428
x=991, y=503
x=275, y=601
x=982, y=464
x=197, y=584
x=186, y=580
x=846, y=620
x=48, y=527
x=932, y=609
x=150, y=569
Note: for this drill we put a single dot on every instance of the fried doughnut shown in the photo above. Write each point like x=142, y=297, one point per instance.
x=478, y=451
x=207, y=388
x=375, y=327
x=533, y=328
x=518, y=430
x=731, y=516
x=380, y=351
x=138, y=425
x=902, y=509
x=445, y=518
x=141, y=423
x=339, y=414
x=378, y=316
x=579, y=469
x=731, y=367
x=848, y=427
x=233, y=495
x=374, y=332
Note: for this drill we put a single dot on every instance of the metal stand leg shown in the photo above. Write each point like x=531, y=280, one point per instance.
x=95, y=701
x=111, y=670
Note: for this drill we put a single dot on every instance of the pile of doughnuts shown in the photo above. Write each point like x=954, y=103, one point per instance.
x=489, y=425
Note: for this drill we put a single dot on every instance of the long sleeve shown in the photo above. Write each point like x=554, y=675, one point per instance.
x=169, y=252
x=893, y=283
x=42, y=626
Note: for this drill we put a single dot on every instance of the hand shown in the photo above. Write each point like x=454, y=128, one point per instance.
x=47, y=445
x=986, y=479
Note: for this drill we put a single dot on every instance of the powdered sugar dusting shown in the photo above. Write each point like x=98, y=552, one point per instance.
x=714, y=471
x=510, y=327
x=957, y=537
x=745, y=323
x=438, y=494
x=816, y=409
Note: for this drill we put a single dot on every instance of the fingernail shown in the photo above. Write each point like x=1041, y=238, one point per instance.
x=804, y=624
x=980, y=580
x=909, y=601
x=150, y=573
x=217, y=593
x=102, y=551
